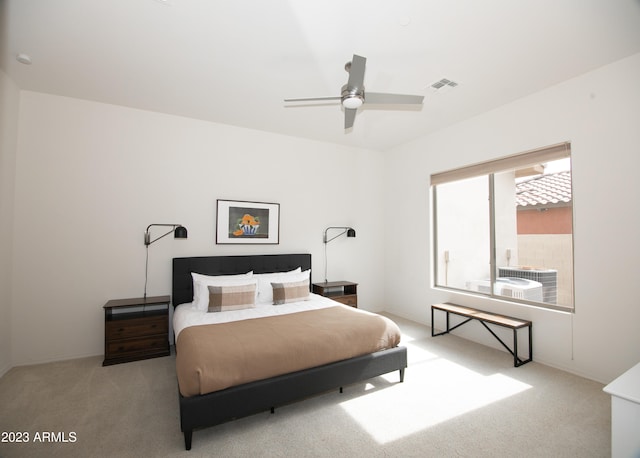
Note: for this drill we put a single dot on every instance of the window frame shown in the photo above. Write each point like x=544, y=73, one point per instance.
x=489, y=169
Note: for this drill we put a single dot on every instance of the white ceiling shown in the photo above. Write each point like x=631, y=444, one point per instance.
x=234, y=61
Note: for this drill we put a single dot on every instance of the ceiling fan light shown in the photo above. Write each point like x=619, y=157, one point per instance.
x=352, y=102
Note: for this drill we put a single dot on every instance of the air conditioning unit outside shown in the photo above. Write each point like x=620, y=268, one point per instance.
x=548, y=278
x=482, y=286
x=518, y=288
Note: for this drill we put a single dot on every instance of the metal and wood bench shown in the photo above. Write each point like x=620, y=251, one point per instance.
x=484, y=318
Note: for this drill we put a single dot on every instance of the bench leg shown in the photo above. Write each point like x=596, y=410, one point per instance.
x=433, y=333
x=517, y=362
x=530, y=343
x=449, y=328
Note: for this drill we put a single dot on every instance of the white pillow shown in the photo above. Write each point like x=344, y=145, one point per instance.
x=202, y=282
x=265, y=290
x=264, y=280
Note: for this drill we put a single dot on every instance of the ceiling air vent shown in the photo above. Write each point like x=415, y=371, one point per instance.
x=444, y=83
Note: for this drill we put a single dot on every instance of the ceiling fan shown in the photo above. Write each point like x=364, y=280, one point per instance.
x=353, y=95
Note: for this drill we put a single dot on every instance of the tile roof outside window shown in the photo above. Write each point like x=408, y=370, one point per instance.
x=550, y=189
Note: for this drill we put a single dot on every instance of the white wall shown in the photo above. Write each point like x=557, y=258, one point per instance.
x=90, y=178
x=599, y=113
x=9, y=102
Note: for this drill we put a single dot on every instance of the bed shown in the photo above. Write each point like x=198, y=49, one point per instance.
x=233, y=394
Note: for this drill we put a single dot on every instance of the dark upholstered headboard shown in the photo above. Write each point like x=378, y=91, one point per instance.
x=182, y=290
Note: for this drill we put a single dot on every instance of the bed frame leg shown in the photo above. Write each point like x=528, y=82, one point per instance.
x=273, y=410
x=401, y=375
x=188, y=435
x=340, y=389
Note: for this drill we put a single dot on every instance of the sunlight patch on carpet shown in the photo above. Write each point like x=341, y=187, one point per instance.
x=433, y=392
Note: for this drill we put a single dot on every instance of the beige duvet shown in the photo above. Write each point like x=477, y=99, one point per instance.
x=213, y=357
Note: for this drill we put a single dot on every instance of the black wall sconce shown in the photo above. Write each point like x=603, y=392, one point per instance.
x=345, y=230
x=179, y=232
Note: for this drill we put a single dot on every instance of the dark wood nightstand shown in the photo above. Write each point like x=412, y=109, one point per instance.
x=345, y=292
x=136, y=329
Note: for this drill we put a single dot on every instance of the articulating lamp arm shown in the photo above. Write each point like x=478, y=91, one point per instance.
x=147, y=234
x=345, y=230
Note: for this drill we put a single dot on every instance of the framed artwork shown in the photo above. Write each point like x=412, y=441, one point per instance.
x=240, y=222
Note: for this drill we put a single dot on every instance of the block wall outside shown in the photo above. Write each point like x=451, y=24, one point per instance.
x=550, y=251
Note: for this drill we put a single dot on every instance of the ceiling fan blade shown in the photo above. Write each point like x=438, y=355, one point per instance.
x=312, y=99
x=349, y=117
x=356, y=71
x=384, y=98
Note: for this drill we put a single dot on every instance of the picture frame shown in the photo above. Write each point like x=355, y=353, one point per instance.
x=244, y=222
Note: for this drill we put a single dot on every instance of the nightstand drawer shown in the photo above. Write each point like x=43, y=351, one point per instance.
x=347, y=300
x=137, y=327
x=125, y=347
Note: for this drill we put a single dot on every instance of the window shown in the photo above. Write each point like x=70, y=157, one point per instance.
x=504, y=228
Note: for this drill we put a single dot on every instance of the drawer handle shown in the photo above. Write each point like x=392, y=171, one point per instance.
x=120, y=329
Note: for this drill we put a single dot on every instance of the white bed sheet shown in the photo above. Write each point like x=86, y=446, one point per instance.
x=186, y=315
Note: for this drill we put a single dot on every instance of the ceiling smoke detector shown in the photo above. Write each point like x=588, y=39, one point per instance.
x=24, y=58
